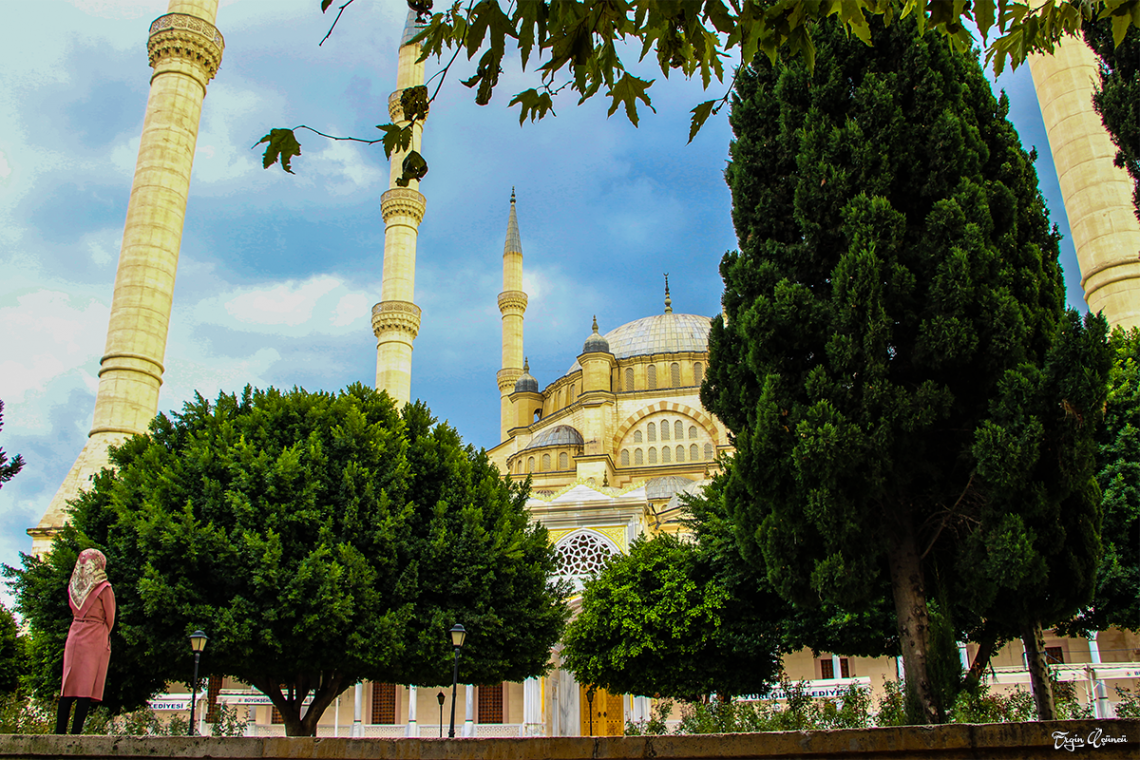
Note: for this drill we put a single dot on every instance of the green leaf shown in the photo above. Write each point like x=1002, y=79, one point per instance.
x=984, y=16
x=325, y=5
x=282, y=145
x=414, y=167
x=533, y=104
x=700, y=115
x=628, y=90
x=396, y=139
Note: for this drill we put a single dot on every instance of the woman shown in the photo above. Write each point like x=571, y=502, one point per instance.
x=88, y=648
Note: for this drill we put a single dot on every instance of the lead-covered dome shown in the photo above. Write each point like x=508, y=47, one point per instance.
x=660, y=334
x=559, y=435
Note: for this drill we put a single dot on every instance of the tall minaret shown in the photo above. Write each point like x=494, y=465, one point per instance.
x=185, y=50
x=1098, y=195
x=512, y=305
x=396, y=319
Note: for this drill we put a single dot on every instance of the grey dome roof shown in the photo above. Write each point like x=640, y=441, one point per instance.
x=559, y=435
x=596, y=343
x=660, y=334
x=663, y=488
x=526, y=381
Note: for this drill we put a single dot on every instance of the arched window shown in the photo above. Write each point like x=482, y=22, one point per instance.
x=666, y=455
x=694, y=453
x=571, y=396
x=545, y=463
x=698, y=373
x=530, y=464
x=638, y=458
x=637, y=436
x=664, y=430
x=651, y=376
x=692, y=431
x=563, y=461
x=675, y=374
x=708, y=451
x=651, y=432
x=680, y=453
x=628, y=379
x=652, y=456
x=582, y=554
x=537, y=415
x=625, y=457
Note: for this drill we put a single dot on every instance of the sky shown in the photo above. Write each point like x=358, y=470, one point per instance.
x=278, y=273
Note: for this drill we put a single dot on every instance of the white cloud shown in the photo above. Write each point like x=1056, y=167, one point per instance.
x=287, y=303
x=351, y=308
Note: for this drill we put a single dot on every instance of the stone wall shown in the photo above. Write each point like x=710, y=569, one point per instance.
x=1086, y=738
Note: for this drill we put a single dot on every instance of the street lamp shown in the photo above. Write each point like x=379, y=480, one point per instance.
x=197, y=644
x=439, y=698
x=458, y=634
x=590, y=700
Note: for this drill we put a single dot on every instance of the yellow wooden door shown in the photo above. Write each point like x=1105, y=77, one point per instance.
x=603, y=715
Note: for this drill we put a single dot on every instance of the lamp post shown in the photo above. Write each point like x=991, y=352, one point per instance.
x=590, y=701
x=439, y=698
x=458, y=634
x=197, y=644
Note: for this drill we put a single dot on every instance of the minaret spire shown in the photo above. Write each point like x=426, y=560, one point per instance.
x=185, y=51
x=668, y=300
x=512, y=305
x=396, y=319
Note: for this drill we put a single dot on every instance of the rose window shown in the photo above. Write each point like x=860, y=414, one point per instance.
x=583, y=554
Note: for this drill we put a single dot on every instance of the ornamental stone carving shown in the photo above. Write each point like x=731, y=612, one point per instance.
x=512, y=302
x=507, y=378
x=583, y=554
x=401, y=316
x=403, y=201
x=179, y=36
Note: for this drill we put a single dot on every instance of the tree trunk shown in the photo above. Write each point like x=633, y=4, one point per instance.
x=982, y=658
x=290, y=702
x=1034, y=641
x=913, y=620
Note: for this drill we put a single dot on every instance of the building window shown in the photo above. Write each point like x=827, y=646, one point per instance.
x=1054, y=656
x=652, y=456
x=692, y=431
x=708, y=451
x=638, y=457
x=384, y=704
x=537, y=415
x=651, y=432
x=491, y=704
x=679, y=430
x=694, y=453
x=666, y=455
x=637, y=436
x=571, y=396
x=675, y=374
x=530, y=464
x=625, y=457
x=629, y=379
x=545, y=463
x=213, y=689
x=680, y=453
x=563, y=461
x=664, y=430
x=698, y=373
x=276, y=718
x=582, y=554
x=827, y=668
x=651, y=376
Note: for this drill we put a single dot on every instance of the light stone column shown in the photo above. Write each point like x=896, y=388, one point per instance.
x=1098, y=195
x=1101, y=707
x=469, y=709
x=512, y=305
x=185, y=51
x=357, y=708
x=396, y=319
x=532, y=707
x=413, y=726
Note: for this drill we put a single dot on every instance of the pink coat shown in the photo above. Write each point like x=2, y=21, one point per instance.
x=88, y=648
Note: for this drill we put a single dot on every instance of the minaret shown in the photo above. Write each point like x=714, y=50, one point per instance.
x=185, y=50
x=1098, y=195
x=512, y=305
x=396, y=319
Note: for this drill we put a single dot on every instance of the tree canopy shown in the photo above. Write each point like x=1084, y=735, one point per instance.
x=8, y=468
x=896, y=264
x=1118, y=98
x=318, y=539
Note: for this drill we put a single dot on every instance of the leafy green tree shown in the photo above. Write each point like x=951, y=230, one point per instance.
x=319, y=539
x=13, y=654
x=1118, y=99
x=581, y=45
x=895, y=263
x=8, y=469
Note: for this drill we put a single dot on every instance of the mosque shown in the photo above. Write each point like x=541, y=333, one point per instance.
x=611, y=446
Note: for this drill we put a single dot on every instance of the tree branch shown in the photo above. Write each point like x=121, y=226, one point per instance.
x=338, y=14
x=334, y=137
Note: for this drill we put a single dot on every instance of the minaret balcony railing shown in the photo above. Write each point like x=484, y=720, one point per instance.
x=180, y=35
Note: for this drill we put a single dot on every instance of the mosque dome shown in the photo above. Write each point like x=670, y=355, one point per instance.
x=559, y=435
x=660, y=334
x=596, y=343
x=665, y=487
x=526, y=381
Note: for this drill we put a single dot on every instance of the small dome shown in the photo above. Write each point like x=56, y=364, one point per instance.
x=559, y=435
x=596, y=343
x=659, y=334
x=526, y=381
x=663, y=488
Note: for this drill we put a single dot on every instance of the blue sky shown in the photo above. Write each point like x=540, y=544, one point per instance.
x=278, y=273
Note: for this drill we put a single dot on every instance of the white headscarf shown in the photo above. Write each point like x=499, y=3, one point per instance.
x=88, y=573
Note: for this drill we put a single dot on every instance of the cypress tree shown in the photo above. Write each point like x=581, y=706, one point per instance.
x=896, y=262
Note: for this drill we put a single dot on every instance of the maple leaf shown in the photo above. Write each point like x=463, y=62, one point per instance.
x=396, y=139
x=628, y=90
x=282, y=145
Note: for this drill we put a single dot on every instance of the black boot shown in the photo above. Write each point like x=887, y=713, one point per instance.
x=62, y=713
x=82, y=705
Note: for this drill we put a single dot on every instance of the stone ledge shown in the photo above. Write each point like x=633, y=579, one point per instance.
x=997, y=740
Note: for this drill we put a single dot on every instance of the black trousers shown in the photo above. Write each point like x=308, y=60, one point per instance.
x=82, y=705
